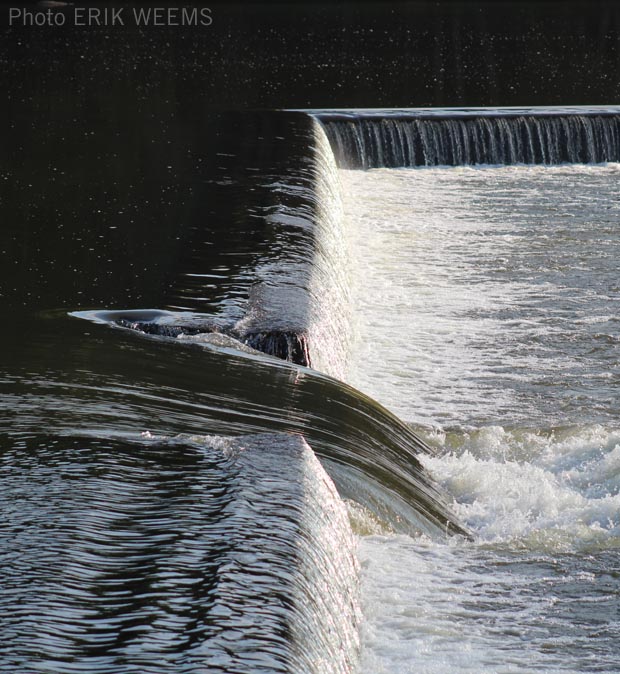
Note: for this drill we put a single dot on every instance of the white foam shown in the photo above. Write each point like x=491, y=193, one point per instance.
x=545, y=507
x=542, y=490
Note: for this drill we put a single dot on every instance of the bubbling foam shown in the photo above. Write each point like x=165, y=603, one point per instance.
x=557, y=489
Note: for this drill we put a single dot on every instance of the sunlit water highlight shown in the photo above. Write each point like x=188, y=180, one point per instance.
x=486, y=302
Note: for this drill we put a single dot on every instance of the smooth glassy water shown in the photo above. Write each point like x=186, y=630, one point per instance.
x=486, y=304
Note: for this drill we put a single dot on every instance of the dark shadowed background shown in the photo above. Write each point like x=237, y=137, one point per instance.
x=107, y=130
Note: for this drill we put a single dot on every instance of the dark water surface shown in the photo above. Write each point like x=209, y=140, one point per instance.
x=141, y=555
x=319, y=54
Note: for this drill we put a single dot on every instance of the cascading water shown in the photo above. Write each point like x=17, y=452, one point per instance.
x=288, y=297
x=329, y=284
x=302, y=293
x=399, y=140
x=137, y=541
x=452, y=297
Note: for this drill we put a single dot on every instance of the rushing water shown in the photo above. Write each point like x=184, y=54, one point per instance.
x=129, y=529
x=464, y=137
x=486, y=306
x=188, y=553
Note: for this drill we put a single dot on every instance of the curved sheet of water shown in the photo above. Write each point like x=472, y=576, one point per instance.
x=113, y=381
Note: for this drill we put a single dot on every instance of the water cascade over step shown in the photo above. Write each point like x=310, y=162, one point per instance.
x=290, y=299
x=274, y=275
x=364, y=140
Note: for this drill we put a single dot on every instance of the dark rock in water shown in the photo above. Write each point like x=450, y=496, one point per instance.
x=151, y=328
x=288, y=345
x=162, y=323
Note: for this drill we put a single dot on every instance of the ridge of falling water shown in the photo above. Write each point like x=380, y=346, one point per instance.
x=300, y=290
x=299, y=303
x=289, y=297
x=363, y=142
x=330, y=306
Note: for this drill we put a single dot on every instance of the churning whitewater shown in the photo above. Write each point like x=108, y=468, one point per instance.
x=486, y=309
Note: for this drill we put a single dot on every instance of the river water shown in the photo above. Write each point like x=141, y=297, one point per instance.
x=478, y=305
x=486, y=316
x=167, y=494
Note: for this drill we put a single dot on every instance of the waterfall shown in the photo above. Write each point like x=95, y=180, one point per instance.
x=330, y=305
x=374, y=141
x=299, y=302
x=286, y=534
x=298, y=309
x=291, y=299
